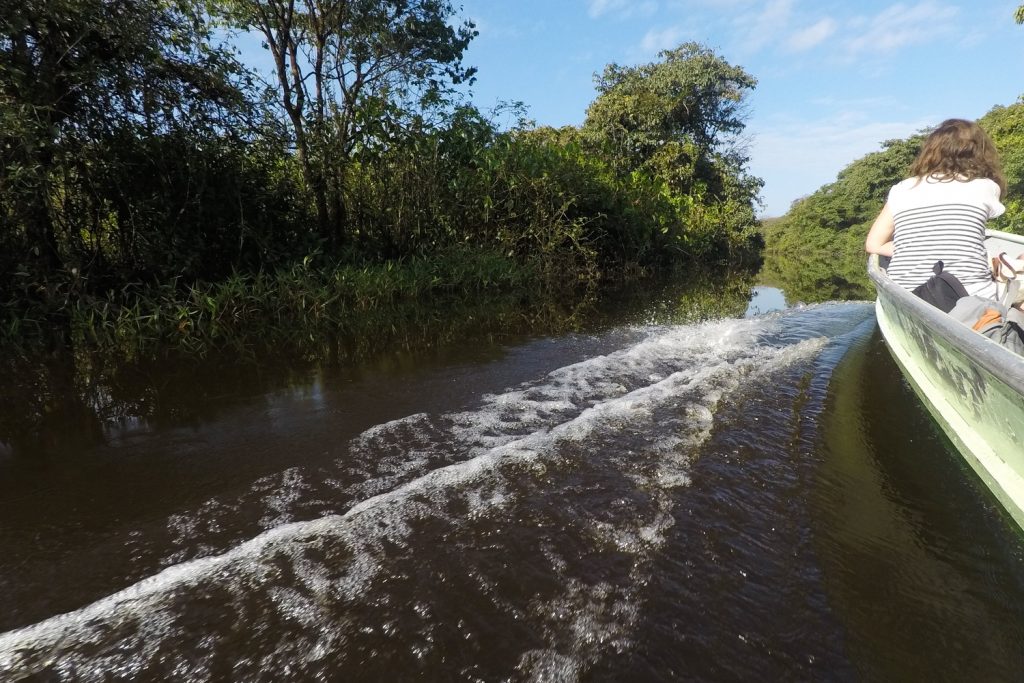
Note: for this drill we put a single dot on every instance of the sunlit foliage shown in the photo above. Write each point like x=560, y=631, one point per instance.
x=351, y=76
x=679, y=120
x=140, y=162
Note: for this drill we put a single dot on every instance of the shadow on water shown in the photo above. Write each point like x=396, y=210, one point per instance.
x=739, y=593
x=831, y=532
x=922, y=565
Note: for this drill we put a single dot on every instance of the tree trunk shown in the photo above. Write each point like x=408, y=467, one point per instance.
x=314, y=179
x=43, y=252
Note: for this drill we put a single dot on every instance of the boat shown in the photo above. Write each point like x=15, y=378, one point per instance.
x=972, y=386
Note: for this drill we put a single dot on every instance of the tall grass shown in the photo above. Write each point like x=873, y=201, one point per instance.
x=305, y=300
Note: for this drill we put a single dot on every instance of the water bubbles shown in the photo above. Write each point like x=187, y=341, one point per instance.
x=570, y=478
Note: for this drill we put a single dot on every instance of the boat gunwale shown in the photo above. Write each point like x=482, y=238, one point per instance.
x=1000, y=362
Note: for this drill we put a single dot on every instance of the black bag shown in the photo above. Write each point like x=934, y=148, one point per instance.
x=942, y=290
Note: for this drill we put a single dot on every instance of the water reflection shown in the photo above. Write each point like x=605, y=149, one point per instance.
x=64, y=399
x=765, y=300
x=110, y=446
x=508, y=495
x=494, y=518
x=922, y=564
x=816, y=276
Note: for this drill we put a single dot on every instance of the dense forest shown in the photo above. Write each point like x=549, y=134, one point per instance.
x=817, y=248
x=152, y=185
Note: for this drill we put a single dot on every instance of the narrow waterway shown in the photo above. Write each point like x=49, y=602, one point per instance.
x=651, y=496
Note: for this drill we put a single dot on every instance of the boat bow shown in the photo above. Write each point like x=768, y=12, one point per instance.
x=973, y=387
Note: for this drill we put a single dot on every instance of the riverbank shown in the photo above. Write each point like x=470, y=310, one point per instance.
x=294, y=306
x=243, y=310
x=57, y=388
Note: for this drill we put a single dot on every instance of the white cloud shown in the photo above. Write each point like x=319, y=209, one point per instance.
x=599, y=8
x=901, y=25
x=812, y=36
x=758, y=30
x=656, y=40
x=775, y=22
x=973, y=38
x=796, y=157
x=621, y=8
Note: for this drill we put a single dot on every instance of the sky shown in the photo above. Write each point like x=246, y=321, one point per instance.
x=835, y=78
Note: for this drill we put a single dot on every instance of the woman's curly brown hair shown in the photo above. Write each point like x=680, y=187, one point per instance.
x=959, y=150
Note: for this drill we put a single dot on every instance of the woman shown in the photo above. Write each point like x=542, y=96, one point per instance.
x=939, y=213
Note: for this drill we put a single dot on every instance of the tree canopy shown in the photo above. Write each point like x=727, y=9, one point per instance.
x=135, y=151
x=82, y=84
x=348, y=73
x=673, y=116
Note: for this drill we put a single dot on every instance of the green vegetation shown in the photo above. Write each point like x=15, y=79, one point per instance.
x=152, y=189
x=676, y=121
x=300, y=301
x=816, y=251
x=74, y=392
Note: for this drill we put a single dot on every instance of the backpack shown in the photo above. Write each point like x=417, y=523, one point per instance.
x=1001, y=323
x=942, y=290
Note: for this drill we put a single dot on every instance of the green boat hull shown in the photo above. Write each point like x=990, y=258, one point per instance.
x=973, y=387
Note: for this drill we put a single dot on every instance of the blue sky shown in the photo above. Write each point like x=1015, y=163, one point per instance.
x=835, y=78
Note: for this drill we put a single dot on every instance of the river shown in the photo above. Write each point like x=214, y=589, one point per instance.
x=645, y=496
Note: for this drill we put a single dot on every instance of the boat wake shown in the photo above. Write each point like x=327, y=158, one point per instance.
x=519, y=532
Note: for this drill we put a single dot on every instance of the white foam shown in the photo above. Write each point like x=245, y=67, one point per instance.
x=693, y=367
x=386, y=429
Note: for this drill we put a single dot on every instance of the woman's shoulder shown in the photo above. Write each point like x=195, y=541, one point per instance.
x=915, y=193
x=902, y=187
x=991, y=196
x=985, y=185
x=907, y=183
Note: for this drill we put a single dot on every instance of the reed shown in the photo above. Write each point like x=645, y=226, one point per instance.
x=304, y=300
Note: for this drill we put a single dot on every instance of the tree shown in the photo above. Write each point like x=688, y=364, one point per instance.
x=1006, y=127
x=349, y=73
x=679, y=121
x=1019, y=15
x=77, y=77
x=828, y=227
x=834, y=219
x=679, y=118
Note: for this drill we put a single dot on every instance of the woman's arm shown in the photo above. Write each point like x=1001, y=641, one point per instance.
x=879, y=240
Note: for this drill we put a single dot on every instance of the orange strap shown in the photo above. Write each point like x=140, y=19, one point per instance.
x=990, y=316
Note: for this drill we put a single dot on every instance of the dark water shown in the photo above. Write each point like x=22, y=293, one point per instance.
x=748, y=498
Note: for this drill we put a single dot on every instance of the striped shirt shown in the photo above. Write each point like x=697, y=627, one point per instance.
x=944, y=221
